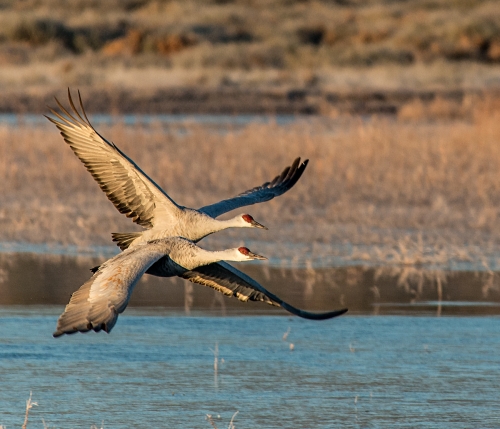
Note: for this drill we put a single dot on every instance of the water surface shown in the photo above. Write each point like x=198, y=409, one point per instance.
x=156, y=369
x=219, y=120
x=390, y=362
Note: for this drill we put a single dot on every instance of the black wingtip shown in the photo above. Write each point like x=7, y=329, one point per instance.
x=313, y=316
x=295, y=174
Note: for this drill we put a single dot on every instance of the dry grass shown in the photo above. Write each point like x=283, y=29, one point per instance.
x=211, y=420
x=29, y=405
x=282, y=43
x=417, y=186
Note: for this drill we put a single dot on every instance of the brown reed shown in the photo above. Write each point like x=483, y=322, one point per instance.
x=371, y=180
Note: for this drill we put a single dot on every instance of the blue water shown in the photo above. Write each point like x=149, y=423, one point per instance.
x=156, y=369
x=221, y=120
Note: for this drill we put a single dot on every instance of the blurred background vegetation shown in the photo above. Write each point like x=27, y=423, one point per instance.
x=291, y=49
x=417, y=170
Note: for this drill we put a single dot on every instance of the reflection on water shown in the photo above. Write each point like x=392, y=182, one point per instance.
x=30, y=279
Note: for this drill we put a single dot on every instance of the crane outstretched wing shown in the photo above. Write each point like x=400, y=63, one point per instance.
x=98, y=302
x=131, y=191
x=228, y=280
x=265, y=192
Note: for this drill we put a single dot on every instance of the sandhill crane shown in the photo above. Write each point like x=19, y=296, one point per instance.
x=96, y=304
x=134, y=194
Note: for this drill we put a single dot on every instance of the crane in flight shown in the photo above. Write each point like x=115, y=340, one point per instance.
x=98, y=302
x=137, y=196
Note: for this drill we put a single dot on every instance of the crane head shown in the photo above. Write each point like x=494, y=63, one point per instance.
x=251, y=222
x=245, y=251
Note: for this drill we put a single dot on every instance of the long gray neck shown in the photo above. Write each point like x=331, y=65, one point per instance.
x=196, y=256
x=211, y=225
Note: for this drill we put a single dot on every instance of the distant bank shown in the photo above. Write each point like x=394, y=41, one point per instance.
x=236, y=101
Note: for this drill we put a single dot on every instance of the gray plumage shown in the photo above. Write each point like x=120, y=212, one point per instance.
x=137, y=196
x=98, y=302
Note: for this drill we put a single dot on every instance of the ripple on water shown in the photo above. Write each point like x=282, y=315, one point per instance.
x=157, y=370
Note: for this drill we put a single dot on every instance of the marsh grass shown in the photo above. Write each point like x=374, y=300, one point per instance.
x=283, y=43
x=416, y=187
x=29, y=405
x=211, y=420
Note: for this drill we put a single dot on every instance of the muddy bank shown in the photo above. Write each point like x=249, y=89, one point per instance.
x=234, y=101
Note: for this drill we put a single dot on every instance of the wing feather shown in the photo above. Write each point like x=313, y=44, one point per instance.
x=265, y=192
x=228, y=280
x=130, y=190
x=98, y=302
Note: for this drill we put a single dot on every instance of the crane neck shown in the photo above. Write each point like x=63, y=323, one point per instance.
x=215, y=225
x=193, y=259
x=234, y=222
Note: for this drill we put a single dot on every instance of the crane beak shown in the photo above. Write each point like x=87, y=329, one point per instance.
x=256, y=224
x=255, y=256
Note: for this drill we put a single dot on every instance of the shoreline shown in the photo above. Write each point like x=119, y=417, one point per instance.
x=189, y=100
x=298, y=256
